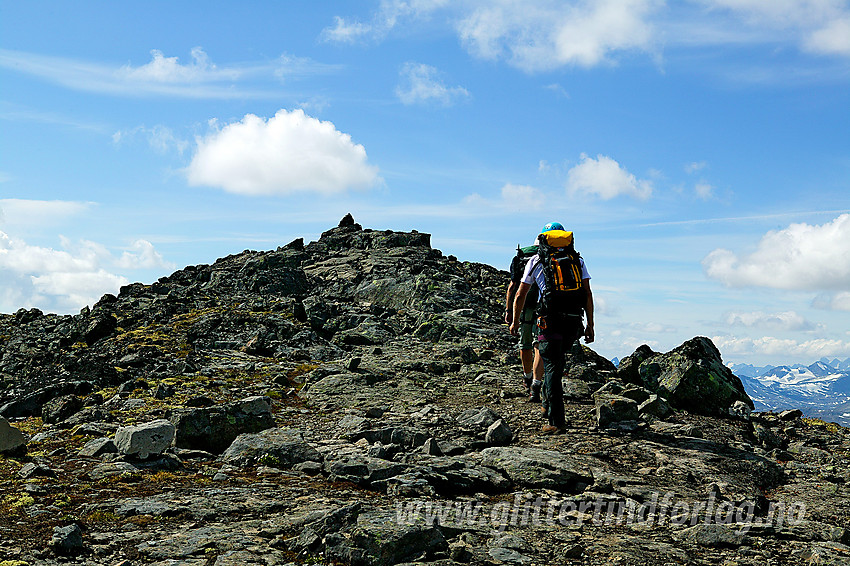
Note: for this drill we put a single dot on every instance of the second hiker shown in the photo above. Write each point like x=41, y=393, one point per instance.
x=532, y=367
x=564, y=286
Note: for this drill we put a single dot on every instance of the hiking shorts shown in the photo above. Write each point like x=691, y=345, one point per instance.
x=527, y=330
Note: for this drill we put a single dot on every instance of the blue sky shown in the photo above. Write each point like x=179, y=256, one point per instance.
x=700, y=150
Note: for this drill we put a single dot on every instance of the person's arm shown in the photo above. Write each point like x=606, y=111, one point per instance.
x=509, y=302
x=589, y=332
x=519, y=304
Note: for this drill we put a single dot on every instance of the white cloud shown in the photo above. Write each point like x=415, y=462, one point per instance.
x=821, y=27
x=64, y=280
x=605, y=178
x=695, y=166
x=51, y=279
x=785, y=347
x=290, y=152
x=168, y=69
x=704, y=190
x=346, y=32
x=421, y=84
x=513, y=198
x=142, y=255
x=542, y=36
x=390, y=14
x=800, y=257
x=833, y=38
x=789, y=320
x=833, y=301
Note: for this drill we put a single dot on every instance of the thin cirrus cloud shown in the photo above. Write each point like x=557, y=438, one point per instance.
x=512, y=198
x=288, y=153
x=16, y=214
x=542, y=35
x=800, y=257
x=422, y=84
x=786, y=321
x=164, y=75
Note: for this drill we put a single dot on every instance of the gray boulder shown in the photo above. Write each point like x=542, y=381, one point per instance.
x=612, y=409
x=142, y=441
x=628, y=370
x=693, y=377
x=58, y=409
x=67, y=540
x=714, y=535
x=276, y=447
x=499, y=433
x=11, y=439
x=381, y=539
x=30, y=405
x=213, y=429
x=655, y=406
x=539, y=468
x=98, y=447
x=477, y=420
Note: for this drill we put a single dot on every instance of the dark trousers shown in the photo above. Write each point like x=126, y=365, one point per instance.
x=552, y=352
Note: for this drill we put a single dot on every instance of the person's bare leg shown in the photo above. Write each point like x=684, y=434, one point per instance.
x=529, y=360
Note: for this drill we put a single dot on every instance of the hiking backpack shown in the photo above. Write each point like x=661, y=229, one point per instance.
x=523, y=254
x=564, y=296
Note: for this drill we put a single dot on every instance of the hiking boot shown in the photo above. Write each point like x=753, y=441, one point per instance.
x=527, y=381
x=534, y=397
x=544, y=410
x=552, y=429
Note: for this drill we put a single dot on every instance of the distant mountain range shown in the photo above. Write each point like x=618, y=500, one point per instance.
x=821, y=390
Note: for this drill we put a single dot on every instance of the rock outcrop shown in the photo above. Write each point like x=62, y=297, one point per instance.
x=357, y=400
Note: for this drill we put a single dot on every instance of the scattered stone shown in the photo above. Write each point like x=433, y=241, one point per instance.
x=432, y=447
x=98, y=447
x=712, y=535
x=536, y=468
x=67, y=540
x=478, y=420
x=740, y=410
x=509, y=556
x=790, y=415
x=499, y=434
x=611, y=409
x=164, y=391
x=199, y=401
x=655, y=406
x=380, y=539
x=36, y=470
x=277, y=447
x=145, y=440
x=58, y=409
x=11, y=439
x=213, y=429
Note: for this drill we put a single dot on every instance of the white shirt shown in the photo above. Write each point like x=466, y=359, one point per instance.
x=534, y=272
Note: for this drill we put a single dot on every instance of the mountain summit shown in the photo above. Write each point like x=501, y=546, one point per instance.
x=357, y=400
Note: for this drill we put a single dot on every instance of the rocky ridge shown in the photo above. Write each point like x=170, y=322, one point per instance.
x=356, y=400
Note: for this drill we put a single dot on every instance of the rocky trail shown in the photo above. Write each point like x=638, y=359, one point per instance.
x=357, y=400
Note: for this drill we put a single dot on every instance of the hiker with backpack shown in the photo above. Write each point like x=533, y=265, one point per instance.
x=532, y=366
x=564, y=297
